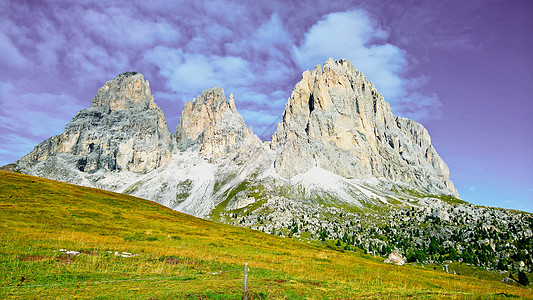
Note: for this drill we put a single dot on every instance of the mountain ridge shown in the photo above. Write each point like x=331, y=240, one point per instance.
x=334, y=120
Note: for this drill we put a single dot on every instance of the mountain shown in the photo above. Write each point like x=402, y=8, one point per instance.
x=336, y=120
x=339, y=166
x=123, y=130
x=335, y=126
x=212, y=125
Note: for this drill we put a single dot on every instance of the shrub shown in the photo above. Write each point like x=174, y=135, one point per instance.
x=522, y=278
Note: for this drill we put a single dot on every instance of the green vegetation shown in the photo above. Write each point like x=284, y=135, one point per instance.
x=448, y=199
x=130, y=248
x=417, y=194
x=522, y=278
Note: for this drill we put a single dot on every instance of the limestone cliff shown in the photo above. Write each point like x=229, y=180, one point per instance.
x=336, y=120
x=212, y=125
x=122, y=130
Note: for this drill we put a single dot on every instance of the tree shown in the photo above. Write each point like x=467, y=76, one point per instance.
x=522, y=278
x=323, y=235
x=502, y=265
x=295, y=229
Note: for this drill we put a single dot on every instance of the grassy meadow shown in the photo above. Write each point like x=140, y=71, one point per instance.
x=130, y=248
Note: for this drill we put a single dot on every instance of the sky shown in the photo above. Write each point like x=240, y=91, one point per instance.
x=463, y=69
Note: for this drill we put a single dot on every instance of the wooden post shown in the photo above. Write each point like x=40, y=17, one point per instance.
x=245, y=297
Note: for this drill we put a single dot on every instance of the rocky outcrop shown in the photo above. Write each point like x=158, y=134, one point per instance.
x=122, y=130
x=395, y=258
x=212, y=125
x=335, y=119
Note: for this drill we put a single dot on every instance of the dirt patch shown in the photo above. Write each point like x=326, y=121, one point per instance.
x=87, y=252
x=312, y=283
x=32, y=257
x=280, y=281
x=178, y=261
x=194, y=296
x=65, y=258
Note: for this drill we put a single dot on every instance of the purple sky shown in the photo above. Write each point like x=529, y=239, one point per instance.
x=464, y=69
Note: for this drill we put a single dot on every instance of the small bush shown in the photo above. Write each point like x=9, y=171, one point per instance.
x=522, y=278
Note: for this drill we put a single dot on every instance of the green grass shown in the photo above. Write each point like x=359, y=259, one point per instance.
x=178, y=256
x=448, y=199
x=418, y=195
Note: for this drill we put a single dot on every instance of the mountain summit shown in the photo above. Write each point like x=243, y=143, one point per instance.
x=212, y=125
x=123, y=130
x=338, y=142
x=336, y=120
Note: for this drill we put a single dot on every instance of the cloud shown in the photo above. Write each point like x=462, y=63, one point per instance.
x=26, y=119
x=127, y=27
x=11, y=57
x=357, y=36
x=191, y=73
x=14, y=147
x=419, y=106
x=92, y=63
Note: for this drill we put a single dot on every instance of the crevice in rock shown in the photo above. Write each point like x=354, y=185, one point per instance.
x=82, y=162
x=311, y=103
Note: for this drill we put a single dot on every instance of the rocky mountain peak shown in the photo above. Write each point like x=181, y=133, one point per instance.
x=336, y=120
x=204, y=111
x=127, y=90
x=212, y=123
x=124, y=129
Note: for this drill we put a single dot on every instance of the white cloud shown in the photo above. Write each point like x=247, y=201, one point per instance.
x=34, y=117
x=268, y=48
x=418, y=106
x=252, y=62
x=122, y=27
x=28, y=119
x=192, y=73
x=357, y=36
x=14, y=146
x=10, y=54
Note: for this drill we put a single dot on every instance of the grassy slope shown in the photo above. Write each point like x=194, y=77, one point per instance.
x=40, y=216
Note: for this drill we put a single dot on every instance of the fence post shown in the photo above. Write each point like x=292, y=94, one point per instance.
x=245, y=297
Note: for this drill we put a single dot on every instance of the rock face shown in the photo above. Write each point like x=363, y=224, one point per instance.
x=212, y=125
x=122, y=130
x=336, y=120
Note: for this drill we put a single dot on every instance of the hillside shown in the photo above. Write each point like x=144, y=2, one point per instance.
x=130, y=248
